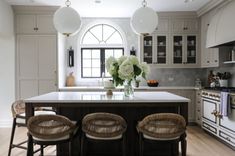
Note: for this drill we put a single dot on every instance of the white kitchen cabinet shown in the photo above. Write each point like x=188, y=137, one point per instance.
x=148, y=48
x=184, y=48
x=155, y=48
x=209, y=56
x=163, y=25
x=36, y=65
x=161, y=54
x=185, y=26
x=34, y=24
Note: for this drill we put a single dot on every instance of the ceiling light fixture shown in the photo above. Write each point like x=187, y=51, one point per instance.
x=67, y=20
x=144, y=20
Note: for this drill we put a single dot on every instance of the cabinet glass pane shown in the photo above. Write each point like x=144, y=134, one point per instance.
x=148, y=49
x=161, y=49
x=178, y=49
x=191, y=49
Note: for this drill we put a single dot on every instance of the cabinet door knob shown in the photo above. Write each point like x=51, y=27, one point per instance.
x=216, y=60
x=208, y=61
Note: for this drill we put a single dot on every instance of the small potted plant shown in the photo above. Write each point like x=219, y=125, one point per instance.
x=223, y=78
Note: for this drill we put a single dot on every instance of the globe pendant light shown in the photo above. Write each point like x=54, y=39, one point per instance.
x=67, y=20
x=144, y=20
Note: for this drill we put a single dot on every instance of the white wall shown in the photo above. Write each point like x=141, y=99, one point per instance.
x=7, y=63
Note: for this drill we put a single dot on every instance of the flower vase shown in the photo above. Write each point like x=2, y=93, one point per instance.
x=128, y=89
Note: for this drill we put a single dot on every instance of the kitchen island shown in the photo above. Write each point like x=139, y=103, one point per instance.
x=75, y=105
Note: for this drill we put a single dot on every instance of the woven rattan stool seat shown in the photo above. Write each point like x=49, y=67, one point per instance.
x=162, y=126
x=52, y=130
x=50, y=126
x=18, y=113
x=103, y=125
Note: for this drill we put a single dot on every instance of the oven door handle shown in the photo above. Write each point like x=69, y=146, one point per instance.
x=214, y=113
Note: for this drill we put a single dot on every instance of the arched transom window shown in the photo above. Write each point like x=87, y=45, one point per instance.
x=102, y=34
x=99, y=43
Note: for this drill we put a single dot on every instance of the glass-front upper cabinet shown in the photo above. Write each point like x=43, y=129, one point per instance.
x=178, y=49
x=185, y=50
x=148, y=49
x=161, y=53
x=191, y=49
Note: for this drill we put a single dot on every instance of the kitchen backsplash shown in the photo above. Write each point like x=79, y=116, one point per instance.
x=177, y=77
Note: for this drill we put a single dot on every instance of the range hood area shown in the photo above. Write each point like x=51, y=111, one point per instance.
x=221, y=30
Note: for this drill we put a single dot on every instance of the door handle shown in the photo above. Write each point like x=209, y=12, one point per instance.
x=214, y=113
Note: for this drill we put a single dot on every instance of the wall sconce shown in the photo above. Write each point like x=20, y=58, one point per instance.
x=71, y=57
x=133, y=51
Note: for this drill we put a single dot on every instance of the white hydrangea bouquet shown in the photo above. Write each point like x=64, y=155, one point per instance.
x=125, y=69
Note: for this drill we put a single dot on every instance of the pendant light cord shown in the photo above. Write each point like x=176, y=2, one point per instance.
x=67, y=3
x=144, y=3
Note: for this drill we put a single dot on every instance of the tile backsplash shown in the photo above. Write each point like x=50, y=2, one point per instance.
x=177, y=77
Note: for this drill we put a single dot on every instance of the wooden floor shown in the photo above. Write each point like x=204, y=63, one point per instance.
x=199, y=144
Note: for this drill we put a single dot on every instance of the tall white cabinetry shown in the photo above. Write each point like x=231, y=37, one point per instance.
x=209, y=56
x=36, y=53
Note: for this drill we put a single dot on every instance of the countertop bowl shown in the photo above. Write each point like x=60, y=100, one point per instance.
x=153, y=84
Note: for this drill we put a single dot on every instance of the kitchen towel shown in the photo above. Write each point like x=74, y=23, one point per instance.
x=225, y=108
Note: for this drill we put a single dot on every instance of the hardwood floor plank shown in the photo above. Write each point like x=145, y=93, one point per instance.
x=199, y=143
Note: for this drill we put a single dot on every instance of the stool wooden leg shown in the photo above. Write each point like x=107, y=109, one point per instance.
x=183, y=145
x=12, y=136
x=175, y=148
x=124, y=145
x=41, y=149
x=70, y=148
x=141, y=145
x=83, y=145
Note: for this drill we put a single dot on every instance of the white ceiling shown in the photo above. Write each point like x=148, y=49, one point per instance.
x=117, y=8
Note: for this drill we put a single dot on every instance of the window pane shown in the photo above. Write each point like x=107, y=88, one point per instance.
x=96, y=72
x=97, y=32
x=86, y=53
x=86, y=72
x=115, y=39
x=89, y=39
x=96, y=63
x=108, y=53
x=107, y=31
x=118, y=53
x=96, y=53
x=86, y=63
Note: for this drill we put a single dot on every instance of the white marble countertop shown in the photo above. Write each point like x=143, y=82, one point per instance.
x=98, y=88
x=101, y=97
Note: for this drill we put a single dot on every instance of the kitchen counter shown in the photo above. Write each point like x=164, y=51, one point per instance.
x=101, y=97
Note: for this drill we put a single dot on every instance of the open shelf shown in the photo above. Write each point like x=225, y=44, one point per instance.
x=229, y=62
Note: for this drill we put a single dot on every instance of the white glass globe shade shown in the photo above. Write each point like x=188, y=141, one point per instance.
x=144, y=21
x=67, y=20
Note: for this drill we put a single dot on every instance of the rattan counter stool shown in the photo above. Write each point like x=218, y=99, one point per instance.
x=18, y=113
x=167, y=127
x=103, y=127
x=52, y=130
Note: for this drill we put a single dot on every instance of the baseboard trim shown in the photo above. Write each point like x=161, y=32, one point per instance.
x=6, y=124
